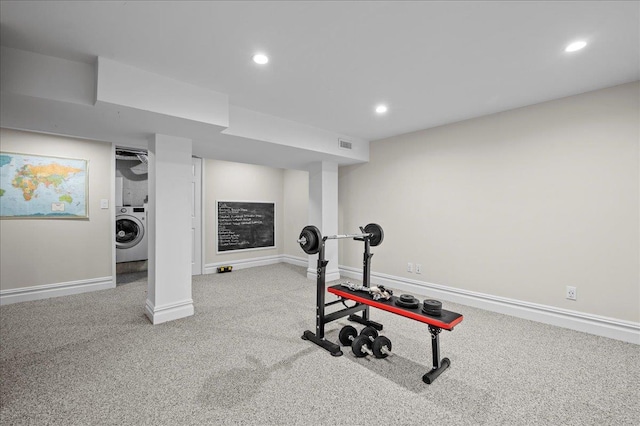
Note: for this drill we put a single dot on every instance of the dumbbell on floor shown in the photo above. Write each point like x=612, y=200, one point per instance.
x=369, y=343
x=348, y=334
x=348, y=337
x=361, y=346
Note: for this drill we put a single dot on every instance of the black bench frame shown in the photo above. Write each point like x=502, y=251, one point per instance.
x=363, y=301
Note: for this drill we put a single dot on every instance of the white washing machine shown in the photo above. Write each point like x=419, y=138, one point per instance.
x=131, y=234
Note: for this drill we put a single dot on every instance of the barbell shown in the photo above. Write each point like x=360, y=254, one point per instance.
x=310, y=238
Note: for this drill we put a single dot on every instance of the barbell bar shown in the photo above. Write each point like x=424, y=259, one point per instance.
x=310, y=237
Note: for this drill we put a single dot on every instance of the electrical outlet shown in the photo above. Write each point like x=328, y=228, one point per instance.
x=409, y=267
x=418, y=268
x=572, y=293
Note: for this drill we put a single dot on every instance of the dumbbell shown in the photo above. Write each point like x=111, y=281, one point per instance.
x=380, y=347
x=348, y=334
x=369, y=343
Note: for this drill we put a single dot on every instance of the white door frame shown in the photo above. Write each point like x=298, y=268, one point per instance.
x=197, y=213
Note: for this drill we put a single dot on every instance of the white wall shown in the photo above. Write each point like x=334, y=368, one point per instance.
x=518, y=204
x=49, y=251
x=240, y=182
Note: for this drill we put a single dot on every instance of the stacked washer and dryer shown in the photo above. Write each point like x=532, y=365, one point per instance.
x=131, y=221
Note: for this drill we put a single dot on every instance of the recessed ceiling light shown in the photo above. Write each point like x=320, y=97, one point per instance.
x=576, y=45
x=381, y=109
x=260, y=58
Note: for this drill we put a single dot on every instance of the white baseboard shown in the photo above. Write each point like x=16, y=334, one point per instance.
x=164, y=313
x=210, y=268
x=295, y=260
x=46, y=291
x=330, y=275
x=594, y=324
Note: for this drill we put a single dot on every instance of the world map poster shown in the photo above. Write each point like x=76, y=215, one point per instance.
x=33, y=186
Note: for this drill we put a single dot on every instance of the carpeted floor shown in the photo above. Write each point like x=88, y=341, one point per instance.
x=94, y=359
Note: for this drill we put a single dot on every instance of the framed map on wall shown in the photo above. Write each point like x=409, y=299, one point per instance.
x=39, y=187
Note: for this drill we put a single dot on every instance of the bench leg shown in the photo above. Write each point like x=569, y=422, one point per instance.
x=327, y=345
x=438, y=365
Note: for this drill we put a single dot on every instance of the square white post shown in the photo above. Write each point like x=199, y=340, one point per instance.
x=323, y=213
x=169, y=222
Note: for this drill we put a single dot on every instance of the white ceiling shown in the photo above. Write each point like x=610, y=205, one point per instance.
x=330, y=62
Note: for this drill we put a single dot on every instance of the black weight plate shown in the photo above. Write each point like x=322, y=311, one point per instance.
x=407, y=298
x=432, y=307
x=411, y=304
x=432, y=304
x=313, y=236
x=377, y=233
x=347, y=335
x=369, y=331
x=310, y=246
x=379, y=343
x=358, y=344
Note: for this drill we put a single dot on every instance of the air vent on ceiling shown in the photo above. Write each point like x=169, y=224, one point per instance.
x=345, y=144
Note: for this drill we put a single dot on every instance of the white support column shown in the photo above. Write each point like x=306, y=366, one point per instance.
x=323, y=213
x=169, y=222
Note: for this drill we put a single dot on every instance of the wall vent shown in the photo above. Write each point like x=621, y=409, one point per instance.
x=345, y=144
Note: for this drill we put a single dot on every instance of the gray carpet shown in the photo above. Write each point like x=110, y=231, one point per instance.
x=94, y=359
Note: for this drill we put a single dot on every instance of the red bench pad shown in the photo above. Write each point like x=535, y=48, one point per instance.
x=446, y=321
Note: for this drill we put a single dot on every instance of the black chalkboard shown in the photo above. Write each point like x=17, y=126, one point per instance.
x=244, y=225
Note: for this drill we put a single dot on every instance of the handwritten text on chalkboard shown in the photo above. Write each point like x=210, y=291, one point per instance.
x=245, y=225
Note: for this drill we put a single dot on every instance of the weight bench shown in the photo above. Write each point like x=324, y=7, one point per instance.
x=446, y=321
x=311, y=241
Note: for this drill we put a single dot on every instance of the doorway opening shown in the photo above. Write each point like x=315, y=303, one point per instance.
x=132, y=196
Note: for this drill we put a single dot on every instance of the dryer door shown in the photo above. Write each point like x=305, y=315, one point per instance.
x=129, y=231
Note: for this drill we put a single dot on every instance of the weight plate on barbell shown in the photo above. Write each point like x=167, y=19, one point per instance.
x=312, y=237
x=377, y=233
